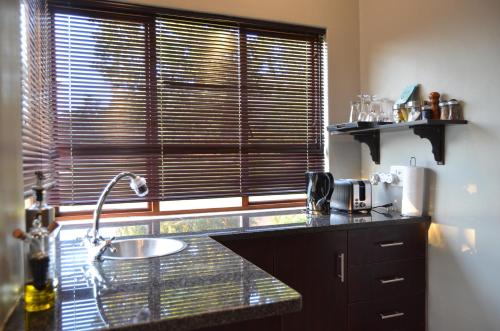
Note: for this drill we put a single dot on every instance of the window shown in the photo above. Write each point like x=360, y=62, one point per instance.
x=203, y=106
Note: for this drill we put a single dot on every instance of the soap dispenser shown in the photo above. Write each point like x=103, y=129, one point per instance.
x=39, y=207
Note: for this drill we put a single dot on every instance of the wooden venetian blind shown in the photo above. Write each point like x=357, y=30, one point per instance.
x=200, y=106
x=240, y=109
x=103, y=104
x=283, y=110
x=37, y=114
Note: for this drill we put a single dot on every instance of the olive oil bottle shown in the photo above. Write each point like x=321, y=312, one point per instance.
x=38, y=299
x=39, y=285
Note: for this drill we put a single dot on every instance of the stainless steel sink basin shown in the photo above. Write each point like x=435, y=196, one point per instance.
x=130, y=249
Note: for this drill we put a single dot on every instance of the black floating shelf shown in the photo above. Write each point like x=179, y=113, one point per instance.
x=369, y=133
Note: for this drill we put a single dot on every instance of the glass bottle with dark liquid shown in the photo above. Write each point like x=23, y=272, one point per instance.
x=39, y=292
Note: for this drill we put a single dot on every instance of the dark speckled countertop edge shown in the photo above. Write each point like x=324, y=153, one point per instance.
x=191, y=322
x=291, y=230
x=209, y=319
x=319, y=223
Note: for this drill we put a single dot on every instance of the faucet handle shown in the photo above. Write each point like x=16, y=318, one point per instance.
x=106, y=244
x=109, y=243
x=101, y=238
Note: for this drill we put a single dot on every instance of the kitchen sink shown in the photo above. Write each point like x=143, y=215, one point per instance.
x=130, y=249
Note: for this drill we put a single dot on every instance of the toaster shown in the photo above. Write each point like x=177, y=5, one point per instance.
x=352, y=195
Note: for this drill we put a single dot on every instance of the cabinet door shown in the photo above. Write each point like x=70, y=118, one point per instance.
x=312, y=264
x=272, y=323
x=259, y=251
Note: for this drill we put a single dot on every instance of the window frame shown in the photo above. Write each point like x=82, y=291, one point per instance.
x=154, y=209
x=72, y=6
x=146, y=14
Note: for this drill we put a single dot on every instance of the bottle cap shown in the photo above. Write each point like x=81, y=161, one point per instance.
x=19, y=234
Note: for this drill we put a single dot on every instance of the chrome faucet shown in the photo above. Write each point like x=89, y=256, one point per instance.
x=97, y=245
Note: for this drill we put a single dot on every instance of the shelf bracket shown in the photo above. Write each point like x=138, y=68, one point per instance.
x=372, y=140
x=435, y=134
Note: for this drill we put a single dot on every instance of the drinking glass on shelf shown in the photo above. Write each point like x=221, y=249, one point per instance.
x=375, y=107
x=355, y=110
x=364, y=100
x=386, y=110
x=362, y=117
x=371, y=117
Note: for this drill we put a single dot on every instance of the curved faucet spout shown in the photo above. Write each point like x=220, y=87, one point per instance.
x=137, y=183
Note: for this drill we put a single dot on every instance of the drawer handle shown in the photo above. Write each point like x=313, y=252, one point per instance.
x=389, y=316
x=341, y=263
x=392, y=280
x=392, y=244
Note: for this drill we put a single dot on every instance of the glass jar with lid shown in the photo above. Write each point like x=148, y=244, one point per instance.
x=399, y=113
x=444, y=109
x=455, y=112
x=414, y=110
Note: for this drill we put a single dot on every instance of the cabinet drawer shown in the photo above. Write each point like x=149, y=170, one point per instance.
x=401, y=314
x=387, y=243
x=386, y=280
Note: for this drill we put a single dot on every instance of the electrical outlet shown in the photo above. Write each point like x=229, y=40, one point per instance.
x=398, y=171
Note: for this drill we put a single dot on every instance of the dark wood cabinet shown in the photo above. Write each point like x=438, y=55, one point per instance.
x=262, y=324
x=358, y=280
x=387, y=278
x=387, y=243
x=312, y=265
x=405, y=313
x=259, y=251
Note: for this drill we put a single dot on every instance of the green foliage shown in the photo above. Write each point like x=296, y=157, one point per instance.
x=200, y=224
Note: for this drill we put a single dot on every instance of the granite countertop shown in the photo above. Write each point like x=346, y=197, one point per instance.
x=204, y=285
x=243, y=225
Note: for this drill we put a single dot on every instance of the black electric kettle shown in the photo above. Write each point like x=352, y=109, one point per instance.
x=319, y=188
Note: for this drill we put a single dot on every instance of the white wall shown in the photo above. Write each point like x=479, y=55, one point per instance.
x=340, y=18
x=450, y=46
x=11, y=190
